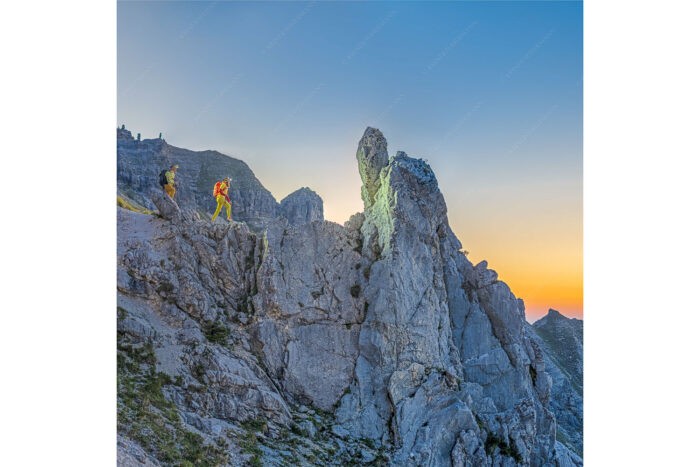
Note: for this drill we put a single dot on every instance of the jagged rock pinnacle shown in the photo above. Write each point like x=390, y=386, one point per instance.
x=372, y=157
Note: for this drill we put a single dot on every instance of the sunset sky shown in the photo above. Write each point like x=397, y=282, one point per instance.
x=489, y=93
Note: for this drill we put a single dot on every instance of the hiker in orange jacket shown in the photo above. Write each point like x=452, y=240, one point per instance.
x=222, y=199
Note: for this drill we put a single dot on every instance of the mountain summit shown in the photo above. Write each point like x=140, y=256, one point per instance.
x=290, y=340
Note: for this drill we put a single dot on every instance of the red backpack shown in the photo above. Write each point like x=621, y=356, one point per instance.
x=216, y=189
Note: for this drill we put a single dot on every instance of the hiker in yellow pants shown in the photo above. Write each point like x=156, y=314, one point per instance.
x=172, y=184
x=170, y=190
x=222, y=199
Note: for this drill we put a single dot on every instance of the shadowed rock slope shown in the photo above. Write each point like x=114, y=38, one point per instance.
x=312, y=343
x=561, y=338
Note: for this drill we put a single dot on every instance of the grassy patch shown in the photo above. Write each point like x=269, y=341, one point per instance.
x=165, y=287
x=255, y=424
x=198, y=372
x=358, y=248
x=147, y=417
x=299, y=431
x=382, y=459
x=131, y=206
x=215, y=332
x=493, y=442
x=367, y=442
x=249, y=442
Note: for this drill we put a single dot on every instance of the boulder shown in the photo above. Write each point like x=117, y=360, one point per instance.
x=167, y=207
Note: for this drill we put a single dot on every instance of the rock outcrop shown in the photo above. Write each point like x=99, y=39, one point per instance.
x=308, y=342
x=309, y=317
x=166, y=206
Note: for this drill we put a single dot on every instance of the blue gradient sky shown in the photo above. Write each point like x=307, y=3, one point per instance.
x=489, y=93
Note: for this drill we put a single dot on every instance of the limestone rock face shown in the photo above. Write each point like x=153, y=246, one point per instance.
x=245, y=327
x=309, y=314
x=377, y=341
x=130, y=454
x=407, y=320
x=372, y=157
x=176, y=279
x=302, y=206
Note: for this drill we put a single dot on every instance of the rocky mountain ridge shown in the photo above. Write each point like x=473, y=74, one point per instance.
x=140, y=161
x=306, y=343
